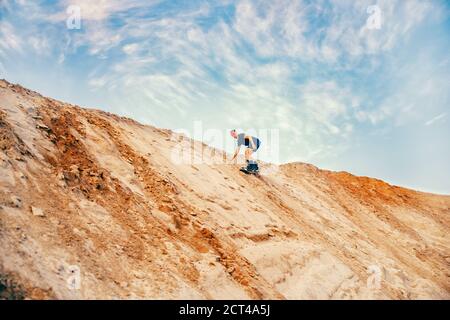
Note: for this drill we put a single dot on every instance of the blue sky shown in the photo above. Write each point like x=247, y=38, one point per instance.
x=343, y=96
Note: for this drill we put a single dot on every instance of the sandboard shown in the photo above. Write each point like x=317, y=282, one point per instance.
x=244, y=170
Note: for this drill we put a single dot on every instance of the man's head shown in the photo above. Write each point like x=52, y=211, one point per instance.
x=234, y=134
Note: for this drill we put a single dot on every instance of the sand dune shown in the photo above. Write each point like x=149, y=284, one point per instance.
x=90, y=194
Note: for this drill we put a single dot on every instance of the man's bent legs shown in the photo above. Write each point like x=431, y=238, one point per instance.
x=248, y=154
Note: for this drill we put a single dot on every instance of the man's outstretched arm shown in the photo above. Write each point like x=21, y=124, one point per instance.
x=236, y=152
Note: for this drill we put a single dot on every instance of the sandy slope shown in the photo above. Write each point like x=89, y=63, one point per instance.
x=108, y=200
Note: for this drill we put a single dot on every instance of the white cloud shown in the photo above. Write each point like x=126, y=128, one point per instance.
x=374, y=116
x=284, y=28
x=326, y=110
x=130, y=48
x=100, y=10
x=436, y=119
x=9, y=40
x=39, y=44
x=97, y=83
x=274, y=28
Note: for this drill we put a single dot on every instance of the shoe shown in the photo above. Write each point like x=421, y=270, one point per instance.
x=252, y=167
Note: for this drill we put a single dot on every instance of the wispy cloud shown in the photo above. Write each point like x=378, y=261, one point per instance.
x=100, y=10
x=10, y=43
x=436, y=119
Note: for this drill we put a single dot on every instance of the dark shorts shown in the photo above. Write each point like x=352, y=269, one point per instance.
x=248, y=144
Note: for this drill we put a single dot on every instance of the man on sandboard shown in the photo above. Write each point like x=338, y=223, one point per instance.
x=252, y=144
